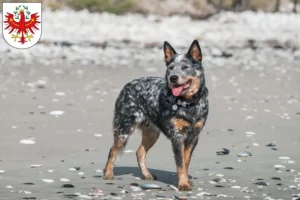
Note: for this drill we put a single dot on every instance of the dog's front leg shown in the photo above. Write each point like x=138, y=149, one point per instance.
x=178, y=149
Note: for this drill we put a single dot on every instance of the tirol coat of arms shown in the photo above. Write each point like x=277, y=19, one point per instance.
x=22, y=27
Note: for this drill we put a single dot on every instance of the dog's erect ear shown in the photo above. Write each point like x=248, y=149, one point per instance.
x=169, y=51
x=195, y=51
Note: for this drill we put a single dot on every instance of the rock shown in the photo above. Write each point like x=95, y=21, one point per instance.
x=261, y=183
x=67, y=186
x=27, y=141
x=244, y=154
x=150, y=186
x=224, y=152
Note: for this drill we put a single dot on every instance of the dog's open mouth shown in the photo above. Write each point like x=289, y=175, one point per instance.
x=178, y=89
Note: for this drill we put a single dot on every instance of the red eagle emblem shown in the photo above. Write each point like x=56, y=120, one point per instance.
x=24, y=26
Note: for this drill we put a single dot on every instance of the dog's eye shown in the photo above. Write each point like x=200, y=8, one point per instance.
x=172, y=67
x=184, y=67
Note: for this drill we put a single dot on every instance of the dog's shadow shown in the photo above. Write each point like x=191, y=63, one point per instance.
x=166, y=177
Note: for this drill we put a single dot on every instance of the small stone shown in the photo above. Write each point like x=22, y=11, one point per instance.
x=35, y=166
x=27, y=141
x=230, y=168
x=271, y=145
x=74, y=169
x=48, y=180
x=279, y=166
x=2, y=171
x=173, y=187
x=261, y=183
x=64, y=180
x=276, y=178
x=56, y=112
x=284, y=158
x=236, y=187
x=124, y=192
x=244, y=154
x=67, y=186
x=134, y=184
x=28, y=183
x=224, y=152
x=150, y=186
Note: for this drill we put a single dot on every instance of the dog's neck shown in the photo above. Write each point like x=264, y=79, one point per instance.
x=184, y=102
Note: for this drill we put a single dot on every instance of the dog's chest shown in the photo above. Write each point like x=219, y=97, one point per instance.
x=188, y=120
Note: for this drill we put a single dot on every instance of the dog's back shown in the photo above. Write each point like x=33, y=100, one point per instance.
x=138, y=101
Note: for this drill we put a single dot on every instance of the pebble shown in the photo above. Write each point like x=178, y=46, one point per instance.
x=24, y=192
x=28, y=183
x=284, y=158
x=27, y=141
x=150, y=186
x=35, y=166
x=56, y=112
x=74, y=169
x=293, y=187
x=128, y=151
x=244, y=154
x=173, y=187
x=224, y=152
x=236, y=187
x=271, y=145
x=64, y=180
x=279, y=166
x=48, y=180
x=276, y=178
x=261, y=183
x=2, y=171
x=230, y=168
x=250, y=134
x=67, y=186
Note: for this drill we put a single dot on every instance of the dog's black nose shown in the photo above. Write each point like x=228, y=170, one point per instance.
x=173, y=78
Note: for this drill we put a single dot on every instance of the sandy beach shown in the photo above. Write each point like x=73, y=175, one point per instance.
x=63, y=108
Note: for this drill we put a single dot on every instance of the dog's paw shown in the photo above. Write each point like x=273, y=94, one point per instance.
x=150, y=177
x=108, y=176
x=191, y=183
x=185, y=187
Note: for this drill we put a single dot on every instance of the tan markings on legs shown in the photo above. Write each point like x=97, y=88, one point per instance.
x=183, y=179
x=194, y=87
x=149, y=138
x=179, y=124
x=119, y=142
x=187, y=156
x=199, y=124
x=187, y=159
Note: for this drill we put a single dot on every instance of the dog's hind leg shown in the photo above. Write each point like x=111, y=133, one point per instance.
x=149, y=138
x=120, y=141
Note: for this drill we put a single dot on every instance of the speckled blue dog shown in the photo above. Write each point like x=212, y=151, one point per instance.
x=176, y=105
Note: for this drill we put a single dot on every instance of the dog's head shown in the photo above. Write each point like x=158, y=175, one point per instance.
x=184, y=71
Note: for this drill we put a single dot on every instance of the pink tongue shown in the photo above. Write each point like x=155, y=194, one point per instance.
x=176, y=91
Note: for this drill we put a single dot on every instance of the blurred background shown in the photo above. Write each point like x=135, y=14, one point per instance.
x=60, y=94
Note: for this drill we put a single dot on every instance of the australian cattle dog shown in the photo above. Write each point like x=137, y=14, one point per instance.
x=176, y=106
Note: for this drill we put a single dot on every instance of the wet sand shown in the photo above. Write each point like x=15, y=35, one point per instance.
x=261, y=100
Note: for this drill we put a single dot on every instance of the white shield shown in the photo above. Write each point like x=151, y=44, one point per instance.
x=22, y=24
